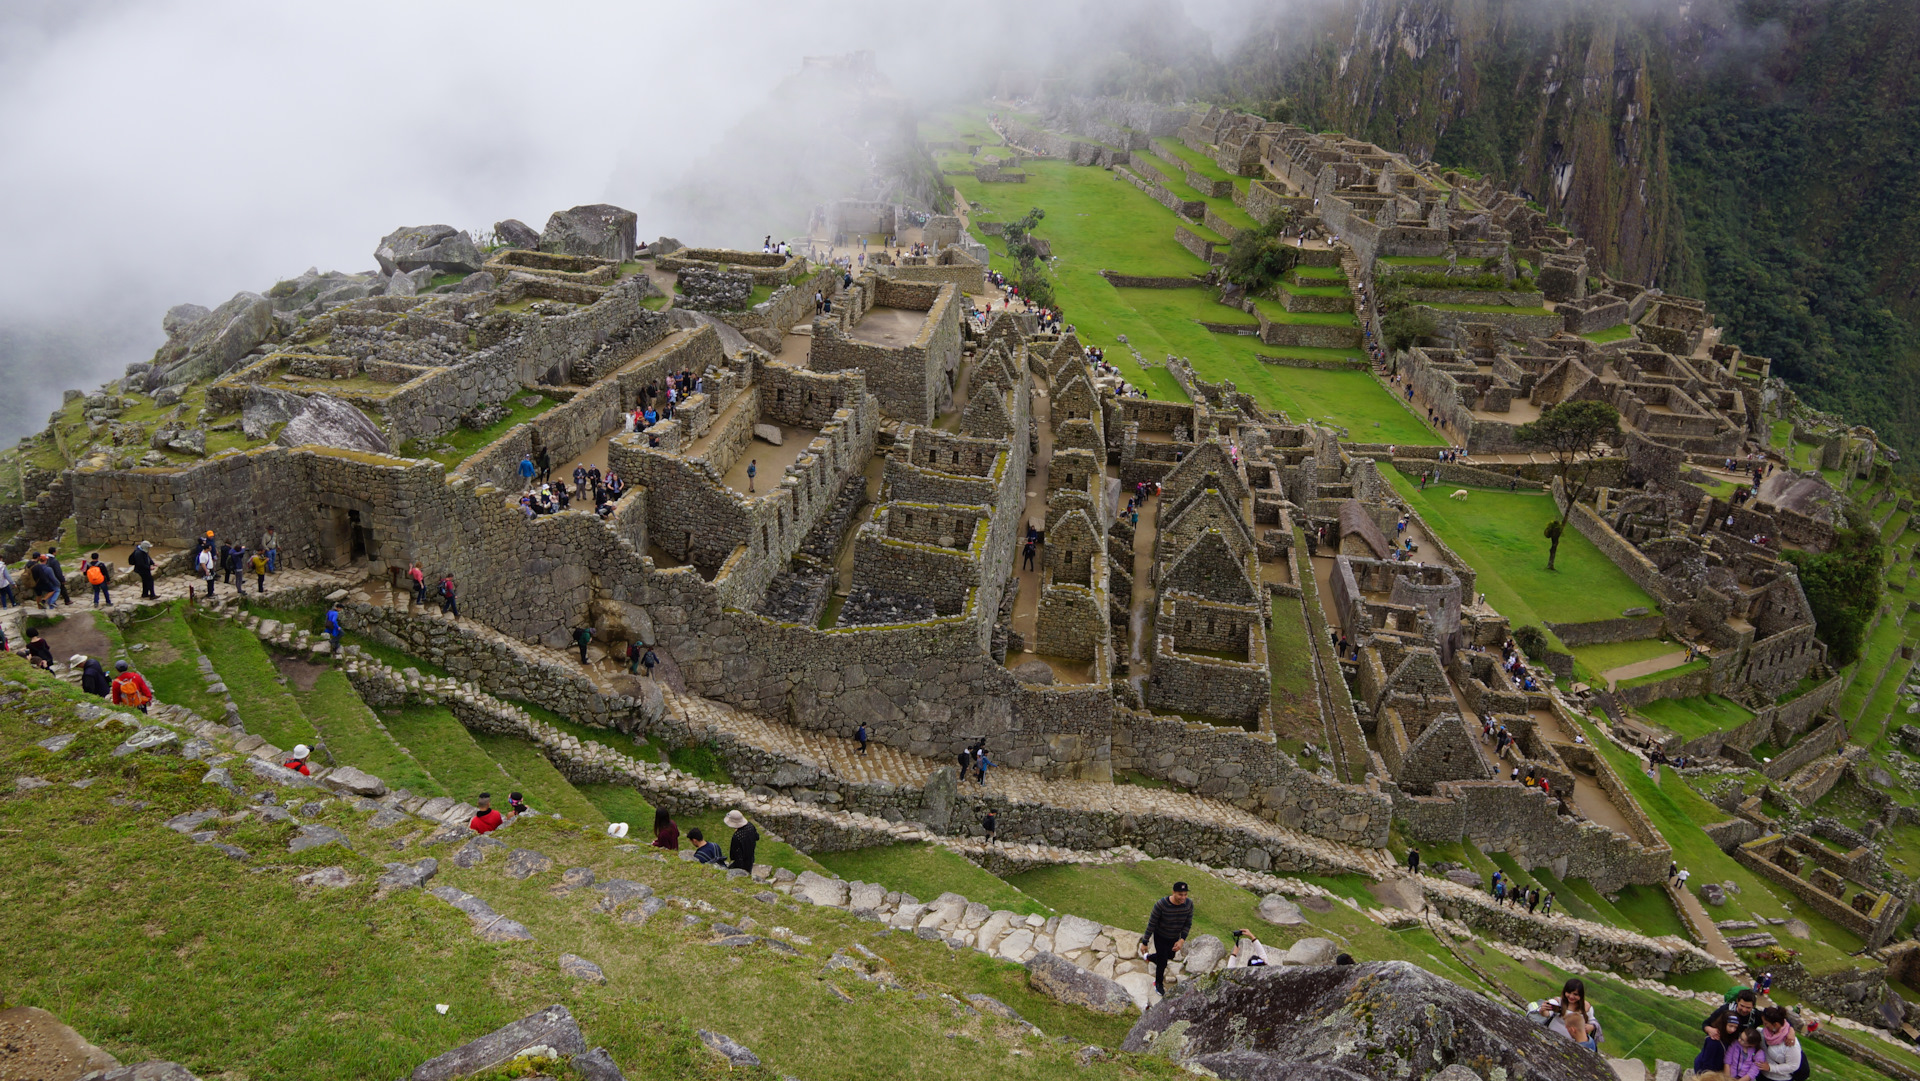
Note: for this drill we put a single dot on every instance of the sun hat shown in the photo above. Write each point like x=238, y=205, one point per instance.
x=735, y=819
x=616, y=829
x=300, y=750
x=77, y=659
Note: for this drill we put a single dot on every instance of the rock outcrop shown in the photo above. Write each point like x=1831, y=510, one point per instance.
x=1380, y=1020
x=599, y=230
x=212, y=344
x=329, y=422
x=442, y=248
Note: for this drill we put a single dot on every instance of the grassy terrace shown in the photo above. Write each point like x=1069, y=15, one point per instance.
x=1498, y=533
x=1171, y=149
x=1097, y=221
x=1276, y=312
x=1600, y=658
x=1691, y=718
x=1611, y=334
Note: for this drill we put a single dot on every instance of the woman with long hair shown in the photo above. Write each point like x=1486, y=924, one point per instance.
x=665, y=833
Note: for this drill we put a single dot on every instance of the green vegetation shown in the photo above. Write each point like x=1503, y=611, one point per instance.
x=1609, y=655
x=1123, y=894
x=1688, y=669
x=927, y=871
x=1490, y=282
x=1260, y=257
x=352, y=732
x=1691, y=718
x=170, y=661
x=1618, y=332
x=1568, y=431
x=270, y=710
x=1494, y=531
x=1095, y=221
x=1842, y=586
x=442, y=744
x=464, y=441
x=536, y=780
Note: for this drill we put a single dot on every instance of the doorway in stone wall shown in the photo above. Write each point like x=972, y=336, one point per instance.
x=344, y=536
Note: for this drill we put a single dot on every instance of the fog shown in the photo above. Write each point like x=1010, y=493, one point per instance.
x=159, y=152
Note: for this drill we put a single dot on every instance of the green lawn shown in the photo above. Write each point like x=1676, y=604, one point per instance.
x=1662, y=676
x=1096, y=220
x=1413, y=260
x=1123, y=894
x=1276, y=311
x=1691, y=718
x=1169, y=149
x=170, y=661
x=927, y=871
x=1499, y=535
x=1611, y=334
x=620, y=803
x=1608, y=655
x=448, y=751
x=537, y=781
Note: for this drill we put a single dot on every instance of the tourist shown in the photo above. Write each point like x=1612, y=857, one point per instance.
x=259, y=563
x=486, y=819
x=208, y=570
x=981, y=763
x=516, y=806
x=582, y=637
x=130, y=688
x=1764, y=987
x=746, y=836
x=1546, y=904
x=543, y=464
x=704, y=851
x=1027, y=553
x=333, y=627
x=1733, y=1015
x=1713, y=1049
x=666, y=833
x=1680, y=879
x=633, y=658
x=1569, y=1015
x=860, y=735
x=7, y=597
x=1673, y=868
x=270, y=544
x=988, y=823
x=648, y=660
x=965, y=760
x=236, y=569
x=527, y=472
x=1746, y=1057
x=1413, y=861
x=59, y=575
x=753, y=468
x=298, y=763
x=1247, y=951
x=1167, y=927
x=449, y=600
x=96, y=573
x=39, y=653
x=93, y=678
x=1533, y=900
x=419, y=579
x=141, y=559
x=1784, y=1054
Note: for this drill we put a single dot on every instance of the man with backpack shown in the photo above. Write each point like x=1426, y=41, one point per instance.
x=333, y=627
x=130, y=688
x=581, y=638
x=449, y=601
x=60, y=575
x=96, y=573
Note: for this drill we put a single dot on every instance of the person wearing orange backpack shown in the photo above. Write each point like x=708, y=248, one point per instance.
x=96, y=573
x=130, y=688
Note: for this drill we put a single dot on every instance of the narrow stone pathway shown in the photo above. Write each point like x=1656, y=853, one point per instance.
x=1701, y=921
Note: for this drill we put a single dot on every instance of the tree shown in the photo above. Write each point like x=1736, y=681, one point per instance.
x=1567, y=431
x=1404, y=327
x=1258, y=258
x=1843, y=588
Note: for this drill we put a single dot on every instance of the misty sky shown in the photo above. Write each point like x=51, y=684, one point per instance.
x=160, y=151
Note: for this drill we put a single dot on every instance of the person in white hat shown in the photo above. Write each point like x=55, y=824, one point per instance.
x=745, y=837
x=298, y=763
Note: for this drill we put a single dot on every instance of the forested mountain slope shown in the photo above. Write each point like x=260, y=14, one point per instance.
x=1759, y=153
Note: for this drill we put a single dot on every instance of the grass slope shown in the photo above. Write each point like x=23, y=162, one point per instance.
x=266, y=705
x=1499, y=534
x=355, y=737
x=927, y=871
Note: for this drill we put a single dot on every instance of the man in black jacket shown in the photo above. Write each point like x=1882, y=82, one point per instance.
x=746, y=836
x=142, y=564
x=60, y=574
x=1167, y=928
x=1738, y=1012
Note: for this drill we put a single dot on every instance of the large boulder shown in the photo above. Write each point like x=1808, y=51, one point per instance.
x=515, y=233
x=1068, y=982
x=1381, y=1020
x=213, y=344
x=441, y=247
x=1277, y=909
x=180, y=317
x=599, y=230
x=263, y=408
x=1311, y=951
x=329, y=422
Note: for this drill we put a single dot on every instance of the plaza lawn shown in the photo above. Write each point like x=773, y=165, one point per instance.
x=1098, y=221
x=1690, y=718
x=1611, y=334
x=1609, y=655
x=1499, y=535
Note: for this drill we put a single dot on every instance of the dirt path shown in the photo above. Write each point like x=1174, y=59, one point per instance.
x=1697, y=918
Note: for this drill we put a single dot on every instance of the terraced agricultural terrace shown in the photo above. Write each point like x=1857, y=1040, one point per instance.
x=993, y=617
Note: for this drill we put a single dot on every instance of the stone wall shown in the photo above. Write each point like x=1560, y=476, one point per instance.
x=1521, y=822
x=1819, y=742
x=911, y=382
x=1620, y=551
x=1596, y=632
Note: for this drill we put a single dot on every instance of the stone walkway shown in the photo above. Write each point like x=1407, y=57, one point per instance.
x=1702, y=923
x=127, y=595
